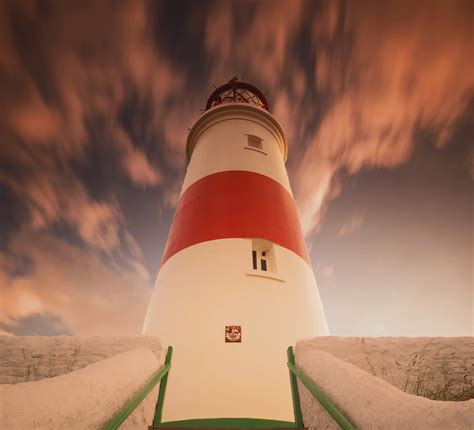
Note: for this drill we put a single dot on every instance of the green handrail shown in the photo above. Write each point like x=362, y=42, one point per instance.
x=343, y=422
x=161, y=394
x=294, y=391
x=125, y=412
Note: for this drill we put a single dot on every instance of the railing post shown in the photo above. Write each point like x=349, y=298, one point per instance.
x=337, y=415
x=294, y=391
x=161, y=393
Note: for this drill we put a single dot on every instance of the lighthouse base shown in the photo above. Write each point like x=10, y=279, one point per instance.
x=202, y=291
x=227, y=423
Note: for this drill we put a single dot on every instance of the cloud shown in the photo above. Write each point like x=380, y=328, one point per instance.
x=353, y=225
x=98, y=224
x=255, y=38
x=326, y=271
x=351, y=82
x=75, y=287
x=134, y=161
x=402, y=69
x=139, y=169
x=5, y=333
x=55, y=107
x=65, y=80
x=36, y=324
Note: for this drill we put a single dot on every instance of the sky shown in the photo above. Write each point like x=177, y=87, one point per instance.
x=377, y=102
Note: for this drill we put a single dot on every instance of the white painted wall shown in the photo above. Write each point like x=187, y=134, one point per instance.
x=205, y=287
x=220, y=146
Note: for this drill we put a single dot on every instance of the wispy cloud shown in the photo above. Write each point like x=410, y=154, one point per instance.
x=65, y=79
x=86, y=76
x=371, y=76
x=75, y=285
x=388, y=70
x=326, y=271
x=352, y=225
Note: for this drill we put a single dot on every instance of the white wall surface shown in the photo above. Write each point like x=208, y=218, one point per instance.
x=221, y=147
x=86, y=398
x=205, y=287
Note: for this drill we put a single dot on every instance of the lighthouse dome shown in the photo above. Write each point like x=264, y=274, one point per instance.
x=236, y=91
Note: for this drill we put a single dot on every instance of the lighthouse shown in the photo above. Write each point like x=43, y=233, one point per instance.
x=235, y=287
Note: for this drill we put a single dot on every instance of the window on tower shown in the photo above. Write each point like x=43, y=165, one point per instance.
x=254, y=142
x=262, y=260
x=254, y=259
x=263, y=255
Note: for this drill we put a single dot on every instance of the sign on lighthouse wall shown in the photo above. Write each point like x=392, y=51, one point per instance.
x=233, y=333
x=235, y=287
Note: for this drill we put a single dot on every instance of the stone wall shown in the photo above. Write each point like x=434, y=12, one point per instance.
x=439, y=368
x=32, y=358
x=86, y=398
x=369, y=380
x=83, y=382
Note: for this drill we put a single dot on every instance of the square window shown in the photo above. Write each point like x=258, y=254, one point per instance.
x=254, y=141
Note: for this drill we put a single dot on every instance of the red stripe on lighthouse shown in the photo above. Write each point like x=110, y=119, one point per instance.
x=236, y=204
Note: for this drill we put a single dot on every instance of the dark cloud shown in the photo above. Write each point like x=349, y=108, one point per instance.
x=37, y=325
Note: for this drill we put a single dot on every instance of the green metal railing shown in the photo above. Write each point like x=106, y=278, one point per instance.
x=161, y=375
x=161, y=394
x=295, y=372
x=294, y=390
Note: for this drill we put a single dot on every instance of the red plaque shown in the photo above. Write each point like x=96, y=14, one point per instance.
x=233, y=333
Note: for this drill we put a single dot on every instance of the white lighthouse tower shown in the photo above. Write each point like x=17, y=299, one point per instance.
x=235, y=287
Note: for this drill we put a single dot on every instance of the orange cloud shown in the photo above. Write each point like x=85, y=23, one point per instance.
x=75, y=285
x=261, y=46
x=88, y=75
x=407, y=68
x=353, y=225
x=383, y=71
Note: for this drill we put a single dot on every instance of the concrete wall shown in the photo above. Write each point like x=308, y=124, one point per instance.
x=354, y=372
x=31, y=358
x=85, y=398
x=372, y=381
x=416, y=365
